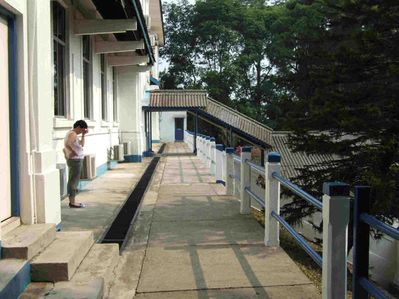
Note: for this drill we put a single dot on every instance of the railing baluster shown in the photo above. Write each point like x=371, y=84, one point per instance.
x=336, y=204
x=272, y=199
x=229, y=167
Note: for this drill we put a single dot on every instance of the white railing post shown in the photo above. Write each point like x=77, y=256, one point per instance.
x=206, y=152
x=272, y=199
x=237, y=177
x=336, y=205
x=202, y=142
x=229, y=167
x=211, y=142
x=245, y=206
x=219, y=163
x=212, y=156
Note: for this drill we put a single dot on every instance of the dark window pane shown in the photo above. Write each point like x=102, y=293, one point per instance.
x=59, y=38
x=86, y=89
x=104, y=112
x=86, y=47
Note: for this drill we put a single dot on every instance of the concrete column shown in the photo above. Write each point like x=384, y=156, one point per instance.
x=245, y=207
x=272, y=199
x=219, y=163
x=46, y=176
x=335, y=231
x=213, y=156
x=229, y=168
x=211, y=143
x=130, y=113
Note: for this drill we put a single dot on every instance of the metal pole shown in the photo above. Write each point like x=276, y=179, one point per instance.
x=150, y=137
x=145, y=129
x=361, y=233
x=195, y=132
x=245, y=206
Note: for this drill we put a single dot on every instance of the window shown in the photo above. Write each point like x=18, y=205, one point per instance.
x=87, y=105
x=59, y=53
x=104, y=110
x=115, y=94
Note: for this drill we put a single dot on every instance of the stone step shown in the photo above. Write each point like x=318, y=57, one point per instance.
x=98, y=263
x=26, y=241
x=59, y=261
x=14, y=277
x=94, y=289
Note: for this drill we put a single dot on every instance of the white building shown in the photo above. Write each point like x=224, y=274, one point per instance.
x=61, y=61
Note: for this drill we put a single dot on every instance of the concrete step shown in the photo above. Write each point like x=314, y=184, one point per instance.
x=26, y=241
x=98, y=263
x=94, y=289
x=10, y=224
x=14, y=277
x=59, y=261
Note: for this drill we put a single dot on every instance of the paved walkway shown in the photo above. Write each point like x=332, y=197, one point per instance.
x=190, y=241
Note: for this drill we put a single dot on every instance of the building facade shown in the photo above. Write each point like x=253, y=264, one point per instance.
x=61, y=61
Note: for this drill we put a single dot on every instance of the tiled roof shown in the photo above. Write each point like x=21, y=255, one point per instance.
x=239, y=121
x=291, y=161
x=178, y=99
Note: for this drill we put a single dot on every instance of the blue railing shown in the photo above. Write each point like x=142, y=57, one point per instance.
x=297, y=190
x=362, y=222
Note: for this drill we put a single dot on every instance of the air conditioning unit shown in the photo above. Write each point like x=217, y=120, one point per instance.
x=119, y=152
x=63, y=180
x=89, y=167
x=127, y=148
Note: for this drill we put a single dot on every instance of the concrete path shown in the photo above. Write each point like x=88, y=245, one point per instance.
x=190, y=241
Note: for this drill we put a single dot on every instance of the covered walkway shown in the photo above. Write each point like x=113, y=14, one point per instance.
x=190, y=241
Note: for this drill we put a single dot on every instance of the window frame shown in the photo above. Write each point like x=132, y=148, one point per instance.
x=115, y=115
x=104, y=89
x=64, y=80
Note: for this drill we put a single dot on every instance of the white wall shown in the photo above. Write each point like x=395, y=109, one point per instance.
x=167, y=124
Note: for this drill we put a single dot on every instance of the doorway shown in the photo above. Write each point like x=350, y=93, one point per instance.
x=5, y=161
x=179, y=129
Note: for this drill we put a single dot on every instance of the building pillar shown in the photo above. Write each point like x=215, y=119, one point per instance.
x=40, y=72
x=131, y=116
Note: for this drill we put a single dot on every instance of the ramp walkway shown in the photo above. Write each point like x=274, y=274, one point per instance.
x=190, y=241
x=198, y=102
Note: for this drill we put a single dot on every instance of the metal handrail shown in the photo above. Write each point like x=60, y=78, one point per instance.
x=294, y=188
x=254, y=196
x=372, y=289
x=301, y=241
x=259, y=169
x=237, y=158
x=379, y=225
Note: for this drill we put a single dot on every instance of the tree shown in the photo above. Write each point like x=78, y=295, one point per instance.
x=343, y=83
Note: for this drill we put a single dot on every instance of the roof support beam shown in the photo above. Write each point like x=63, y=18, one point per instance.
x=99, y=26
x=126, y=60
x=103, y=47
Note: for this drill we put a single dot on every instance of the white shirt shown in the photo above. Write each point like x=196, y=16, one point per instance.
x=75, y=145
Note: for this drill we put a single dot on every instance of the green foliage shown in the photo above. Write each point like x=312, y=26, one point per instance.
x=306, y=66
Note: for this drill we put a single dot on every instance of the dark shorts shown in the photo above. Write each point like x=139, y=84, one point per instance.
x=74, y=167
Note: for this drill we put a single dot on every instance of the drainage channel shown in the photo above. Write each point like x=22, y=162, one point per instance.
x=119, y=228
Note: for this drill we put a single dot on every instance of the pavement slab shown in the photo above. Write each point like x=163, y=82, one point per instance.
x=190, y=241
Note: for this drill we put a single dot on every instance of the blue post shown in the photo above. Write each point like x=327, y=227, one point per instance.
x=361, y=233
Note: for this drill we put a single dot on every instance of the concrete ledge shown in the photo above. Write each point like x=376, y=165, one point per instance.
x=26, y=241
x=59, y=261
